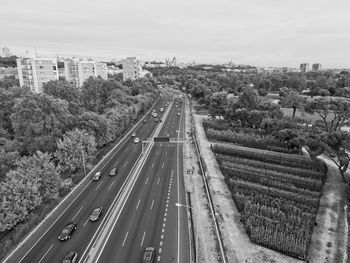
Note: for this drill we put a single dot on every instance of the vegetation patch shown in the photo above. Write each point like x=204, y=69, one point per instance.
x=277, y=195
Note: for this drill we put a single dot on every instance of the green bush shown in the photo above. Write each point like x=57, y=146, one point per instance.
x=63, y=191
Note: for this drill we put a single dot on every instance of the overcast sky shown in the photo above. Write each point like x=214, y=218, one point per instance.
x=255, y=32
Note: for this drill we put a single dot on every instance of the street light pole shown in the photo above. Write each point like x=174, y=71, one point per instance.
x=82, y=154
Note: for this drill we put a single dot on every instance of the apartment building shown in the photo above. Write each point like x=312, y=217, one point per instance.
x=78, y=71
x=131, y=68
x=316, y=66
x=304, y=67
x=34, y=72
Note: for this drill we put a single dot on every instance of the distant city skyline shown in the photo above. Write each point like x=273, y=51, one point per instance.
x=259, y=33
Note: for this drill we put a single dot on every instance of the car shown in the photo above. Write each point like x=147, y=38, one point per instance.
x=136, y=140
x=67, y=231
x=113, y=172
x=156, y=119
x=155, y=115
x=149, y=255
x=175, y=106
x=161, y=110
x=144, y=120
x=178, y=114
x=71, y=257
x=95, y=215
x=133, y=134
x=96, y=176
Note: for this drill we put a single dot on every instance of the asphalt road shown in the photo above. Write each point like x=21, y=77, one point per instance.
x=155, y=193
x=152, y=219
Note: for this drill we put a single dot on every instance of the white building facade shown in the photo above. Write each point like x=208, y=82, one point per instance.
x=78, y=71
x=34, y=72
x=131, y=68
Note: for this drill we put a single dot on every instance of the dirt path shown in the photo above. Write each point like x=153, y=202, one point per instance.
x=329, y=238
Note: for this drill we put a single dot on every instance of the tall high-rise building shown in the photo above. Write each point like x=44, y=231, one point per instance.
x=304, y=67
x=131, y=68
x=78, y=71
x=7, y=52
x=34, y=72
x=316, y=66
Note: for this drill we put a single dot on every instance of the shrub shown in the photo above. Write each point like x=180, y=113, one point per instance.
x=63, y=191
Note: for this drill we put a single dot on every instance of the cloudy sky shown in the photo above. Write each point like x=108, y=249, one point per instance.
x=255, y=32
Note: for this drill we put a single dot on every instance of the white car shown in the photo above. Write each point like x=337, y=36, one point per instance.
x=96, y=176
x=136, y=140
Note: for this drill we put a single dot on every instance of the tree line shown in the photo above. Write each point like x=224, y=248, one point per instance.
x=43, y=137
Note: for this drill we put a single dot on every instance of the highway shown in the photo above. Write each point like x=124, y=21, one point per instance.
x=149, y=216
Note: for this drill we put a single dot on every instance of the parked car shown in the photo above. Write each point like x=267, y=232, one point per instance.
x=156, y=119
x=113, y=172
x=67, y=231
x=133, y=134
x=136, y=140
x=71, y=257
x=178, y=114
x=95, y=215
x=149, y=255
x=97, y=176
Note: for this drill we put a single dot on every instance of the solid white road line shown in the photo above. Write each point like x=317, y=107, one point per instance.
x=143, y=238
x=152, y=204
x=146, y=181
x=111, y=185
x=45, y=253
x=138, y=204
x=78, y=212
x=99, y=185
x=126, y=236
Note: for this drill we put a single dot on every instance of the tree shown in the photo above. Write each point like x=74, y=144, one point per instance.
x=332, y=110
x=292, y=100
x=62, y=89
x=218, y=104
x=333, y=145
x=249, y=98
x=42, y=171
x=38, y=120
x=75, y=145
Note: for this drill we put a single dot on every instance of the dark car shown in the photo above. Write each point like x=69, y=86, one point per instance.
x=144, y=120
x=71, y=257
x=95, y=215
x=67, y=231
x=113, y=172
x=149, y=255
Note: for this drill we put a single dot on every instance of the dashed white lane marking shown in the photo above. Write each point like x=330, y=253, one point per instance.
x=45, y=253
x=165, y=214
x=143, y=238
x=147, y=180
x=166, y=153
x=81, y=208
x=158, y=259
x=125, y=163
x=160, y=250
x=126, y=149
x=158, y=180
x=164, y=219
x=99, y=185
x=126, y=236
x=138, y=204
x=166, y=209
x=111, y=185
x=163, y=230
x=87, y=220
x=161, y=243
x=161, y=236
x=152, y=204
x=157, y=153
x=152, y=165
x=116, y=162
x=162, y=165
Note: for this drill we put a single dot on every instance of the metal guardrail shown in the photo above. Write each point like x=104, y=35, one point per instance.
x=207, y=190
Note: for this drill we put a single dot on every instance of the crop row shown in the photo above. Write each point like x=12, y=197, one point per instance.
x=247, y=140
x=274, y=167
x=269, y=157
